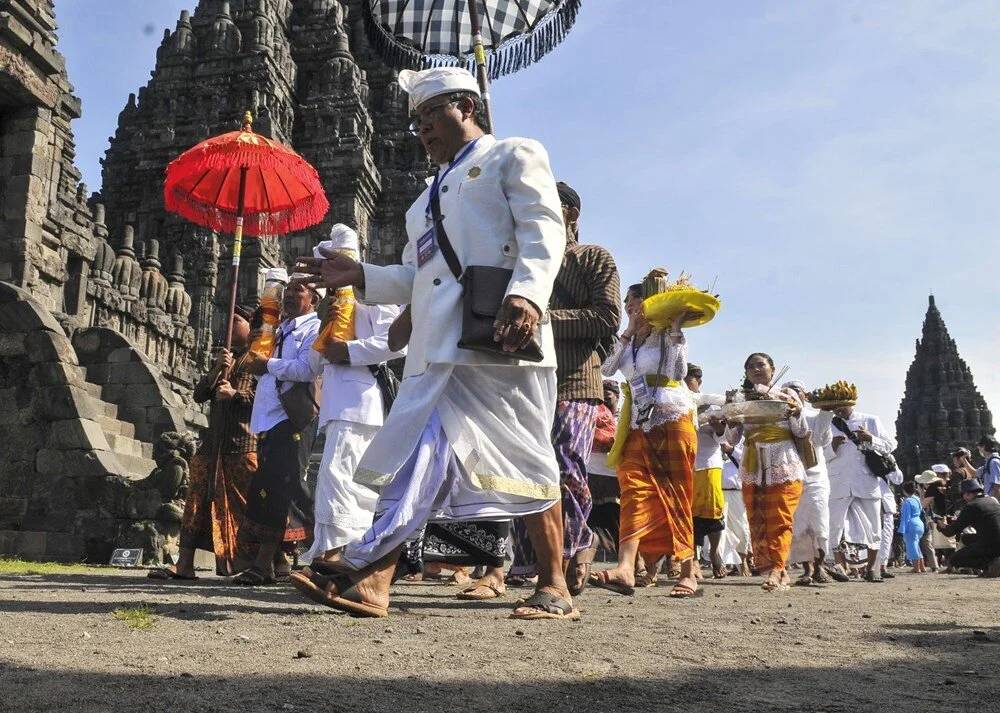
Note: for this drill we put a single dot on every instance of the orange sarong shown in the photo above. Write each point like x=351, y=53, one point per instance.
x=656, y=478
x=771, y=510
x=216, y=504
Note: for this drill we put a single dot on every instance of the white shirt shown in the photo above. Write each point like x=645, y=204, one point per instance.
x=500, y=208
x=709, y=453
x=296, y=338
x=731, y=471
x=821, y=436
x=350, y=392
x=849, y=475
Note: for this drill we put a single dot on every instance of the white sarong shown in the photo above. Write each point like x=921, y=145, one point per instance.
x=811, y=527
x=344, y=508
x=857, y=520
x=737, y=536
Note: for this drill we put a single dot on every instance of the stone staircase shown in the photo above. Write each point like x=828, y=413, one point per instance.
x=134, y=455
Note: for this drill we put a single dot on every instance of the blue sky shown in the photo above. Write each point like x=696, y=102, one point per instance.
x=831, y=163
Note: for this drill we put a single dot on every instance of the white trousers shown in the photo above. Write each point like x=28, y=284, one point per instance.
x=811, y=527
x=344, y=508
x=885, y=547
x=737, y=536
x=857, y=520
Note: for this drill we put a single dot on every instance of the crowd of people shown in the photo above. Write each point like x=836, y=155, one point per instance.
x=510, y=437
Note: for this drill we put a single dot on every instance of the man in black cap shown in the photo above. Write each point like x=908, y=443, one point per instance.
x=585, y=312
x=981, y=550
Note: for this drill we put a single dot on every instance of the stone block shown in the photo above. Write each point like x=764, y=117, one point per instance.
x=76, y=463
x=11, y=344
x=16, y=478
x=43, y=345
x=20, y=442
x=26, y=544
x=12, y=512
x=164, y=416
x=23, y=316
x=87, y=342
x=55, y=403
x=79, y=433
x=63, y=547
x=101, y=373
x=55, y=373
x=122, y=355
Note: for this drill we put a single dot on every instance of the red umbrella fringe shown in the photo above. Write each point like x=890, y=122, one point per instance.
x=219, y=156
x=307, y=213
x=509, y=56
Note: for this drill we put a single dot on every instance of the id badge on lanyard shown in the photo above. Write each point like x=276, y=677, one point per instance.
x=427, y=247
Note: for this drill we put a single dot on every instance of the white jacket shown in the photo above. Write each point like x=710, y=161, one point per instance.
x=500, y=207
x=350, y=392
x=849, y=476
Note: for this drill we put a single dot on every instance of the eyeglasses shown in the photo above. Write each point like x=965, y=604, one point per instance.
x=426, y=114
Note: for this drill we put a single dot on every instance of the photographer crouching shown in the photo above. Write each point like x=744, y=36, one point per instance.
x=980, y=551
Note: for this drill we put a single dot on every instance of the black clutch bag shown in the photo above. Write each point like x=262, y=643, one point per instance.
x=483, y=291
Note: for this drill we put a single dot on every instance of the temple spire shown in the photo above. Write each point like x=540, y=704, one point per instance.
x=941, y=407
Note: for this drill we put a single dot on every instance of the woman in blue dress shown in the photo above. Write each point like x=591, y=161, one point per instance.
x=911, y=526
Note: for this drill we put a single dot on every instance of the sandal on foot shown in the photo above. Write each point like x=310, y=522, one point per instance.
x=544, y=605
x=333, y=591
x=804, y=580
x=600, y=580
x=577, y=587
x=167, y=574
x=643, y=580
x=481, y=593
x=821, y=577
x=253, y=578
x=838, y=573
x=682, y=591
x=719, y=572
x=519, y=580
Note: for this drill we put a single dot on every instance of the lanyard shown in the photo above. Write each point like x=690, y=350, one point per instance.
x=438, y=179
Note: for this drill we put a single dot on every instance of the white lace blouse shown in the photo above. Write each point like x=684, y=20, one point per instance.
x=672, y=402
x=777, y=462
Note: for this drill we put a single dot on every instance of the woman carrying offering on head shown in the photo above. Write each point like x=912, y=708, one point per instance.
x=772, y=473
x=655, y=446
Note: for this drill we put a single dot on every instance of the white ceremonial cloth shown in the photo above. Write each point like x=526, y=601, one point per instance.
x=497, y=421
x=737, y=539
x=344, y=509
x=598, y=465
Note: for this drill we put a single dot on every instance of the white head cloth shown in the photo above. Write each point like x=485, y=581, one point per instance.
x=342, y=237
x=276, y=273
x=321, y=291
x=940, y=468
x=429, y=83
x=794, y=384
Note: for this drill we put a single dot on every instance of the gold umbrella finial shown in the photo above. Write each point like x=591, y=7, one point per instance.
x=247, y=121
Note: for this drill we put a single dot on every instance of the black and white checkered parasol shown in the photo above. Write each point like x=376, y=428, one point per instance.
x=417, y=34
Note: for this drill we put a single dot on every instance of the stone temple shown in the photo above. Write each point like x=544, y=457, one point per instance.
x=109, y=307
x=941, y=408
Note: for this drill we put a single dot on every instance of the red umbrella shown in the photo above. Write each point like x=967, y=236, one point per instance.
x=242, y=181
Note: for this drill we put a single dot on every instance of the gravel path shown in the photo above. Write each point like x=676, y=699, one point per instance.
x=917, y=643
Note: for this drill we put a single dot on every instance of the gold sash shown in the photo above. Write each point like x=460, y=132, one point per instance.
x=763, y=434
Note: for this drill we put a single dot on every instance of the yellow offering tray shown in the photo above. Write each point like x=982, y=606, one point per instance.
x=832, y=405
x=662, y=308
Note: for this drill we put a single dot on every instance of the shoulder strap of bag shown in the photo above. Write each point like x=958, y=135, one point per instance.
x=842, y=426
x=442, y=237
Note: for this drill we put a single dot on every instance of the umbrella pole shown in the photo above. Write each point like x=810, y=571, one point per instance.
x=480, y=52
x=237, y=249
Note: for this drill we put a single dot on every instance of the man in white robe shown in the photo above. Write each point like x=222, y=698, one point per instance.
x=351, y=412
x=811, y=526
x=855, y=492
x=736, y=543
x=468, y=435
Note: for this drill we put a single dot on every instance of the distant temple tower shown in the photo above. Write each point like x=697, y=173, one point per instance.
x=941, y=408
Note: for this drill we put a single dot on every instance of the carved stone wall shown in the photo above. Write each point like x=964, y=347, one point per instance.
x=303, y=68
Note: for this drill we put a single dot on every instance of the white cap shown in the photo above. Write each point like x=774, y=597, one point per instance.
x=279, y=274
x=794, y=384
x=321, y=291
x=429, y=83
x=940, y=468
x=342, y=237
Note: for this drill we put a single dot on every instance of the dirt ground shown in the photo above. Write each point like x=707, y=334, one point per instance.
x=917, y=643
